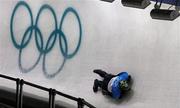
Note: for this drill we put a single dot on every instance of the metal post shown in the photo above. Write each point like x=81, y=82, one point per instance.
x=50, y=98
x=80, y=103
x=17, y=92
x=53, y=97
x=21, y=94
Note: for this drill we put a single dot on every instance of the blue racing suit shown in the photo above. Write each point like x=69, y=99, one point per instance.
x=116, y=93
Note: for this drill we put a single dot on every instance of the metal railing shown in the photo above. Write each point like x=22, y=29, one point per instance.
x=52, y=93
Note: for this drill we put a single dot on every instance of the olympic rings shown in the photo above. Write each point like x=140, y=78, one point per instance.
x=44, y=48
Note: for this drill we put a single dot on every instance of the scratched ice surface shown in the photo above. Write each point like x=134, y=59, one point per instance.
x=114, y=38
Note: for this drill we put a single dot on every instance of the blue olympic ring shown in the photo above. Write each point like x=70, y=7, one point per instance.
x=56, y=33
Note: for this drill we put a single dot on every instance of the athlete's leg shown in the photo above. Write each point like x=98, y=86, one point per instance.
x=97, y=84
x=100, y=72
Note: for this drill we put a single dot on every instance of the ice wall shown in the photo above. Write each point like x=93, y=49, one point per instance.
x=114, y=38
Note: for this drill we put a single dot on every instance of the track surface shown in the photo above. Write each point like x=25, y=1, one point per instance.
x=114, y=38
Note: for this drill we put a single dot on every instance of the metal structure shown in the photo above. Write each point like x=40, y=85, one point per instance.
x=157, y=12
x=164, y=14
x=108, y=0
x=52, y=93
x=142, y=4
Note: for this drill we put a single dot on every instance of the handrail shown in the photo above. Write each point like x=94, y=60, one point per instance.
x=52, y=93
